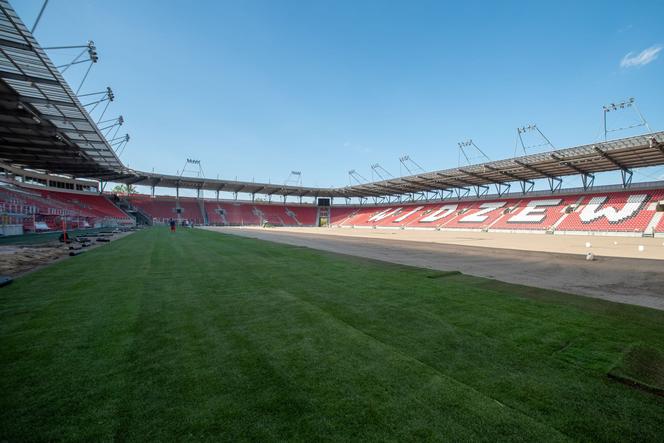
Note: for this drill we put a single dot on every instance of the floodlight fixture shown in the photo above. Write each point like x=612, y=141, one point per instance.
x=92, y=51
x=526, y=128
x=621, y=105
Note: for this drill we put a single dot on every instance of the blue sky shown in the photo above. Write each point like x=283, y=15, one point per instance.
x=255, y=89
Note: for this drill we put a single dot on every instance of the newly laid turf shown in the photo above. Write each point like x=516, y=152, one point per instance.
x=198, y=335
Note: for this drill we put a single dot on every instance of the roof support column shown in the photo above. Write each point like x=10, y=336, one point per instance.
x=626, y=175
x=152, y=191
x=555, y=183
x=502, y=188
x=526, y=186
x=466, y=191
x=481, y=190
x=217, y=194
x=588, y=181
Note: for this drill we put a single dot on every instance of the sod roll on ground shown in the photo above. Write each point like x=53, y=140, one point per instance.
x=202, y=336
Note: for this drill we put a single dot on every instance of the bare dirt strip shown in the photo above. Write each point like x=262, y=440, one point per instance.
x=637, y=281
x=20, y=259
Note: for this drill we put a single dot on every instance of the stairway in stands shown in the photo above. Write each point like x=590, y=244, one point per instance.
x=201, y=205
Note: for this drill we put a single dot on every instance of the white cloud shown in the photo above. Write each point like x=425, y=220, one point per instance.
x=642, y=58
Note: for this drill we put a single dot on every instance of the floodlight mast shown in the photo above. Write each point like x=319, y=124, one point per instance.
x=623, y=106
x=39, y=16
x=112, y=123
x=469, y=145
x=294, y=178
x=354, y=175
x=377, y=169
x=404, y=159
x=195, y=162
x=531, y=128
x=93, y=57
x=107, y=95
x=119, y=143
x=383, y=174
x=403, y=162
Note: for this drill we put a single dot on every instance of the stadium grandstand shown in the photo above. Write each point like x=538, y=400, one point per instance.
x=50, y=141
x=60, y=171
x=48, y=133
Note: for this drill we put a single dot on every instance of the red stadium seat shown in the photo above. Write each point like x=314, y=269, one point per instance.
x=624, y=211
x=45, y=209
x=629, y=211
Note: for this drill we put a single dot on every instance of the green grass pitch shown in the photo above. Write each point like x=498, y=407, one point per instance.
x=202, y=336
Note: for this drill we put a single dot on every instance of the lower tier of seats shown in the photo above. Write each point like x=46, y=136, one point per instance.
x=624, y=212
x=32, y=209
x=162, y=209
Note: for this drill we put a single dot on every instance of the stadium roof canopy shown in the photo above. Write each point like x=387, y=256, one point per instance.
x=42, y=123
x=44, y=126
x=622, y=154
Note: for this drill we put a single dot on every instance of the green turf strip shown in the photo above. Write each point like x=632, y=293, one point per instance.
x=198, y=335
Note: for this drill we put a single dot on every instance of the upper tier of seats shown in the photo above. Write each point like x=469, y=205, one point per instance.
x=625, y=211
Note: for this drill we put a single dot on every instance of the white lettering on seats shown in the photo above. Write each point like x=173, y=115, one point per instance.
x=443, y=212
x=535, y=211
x=405, y=216
x=480, y=215
x=594, y=210
x=384, y=214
